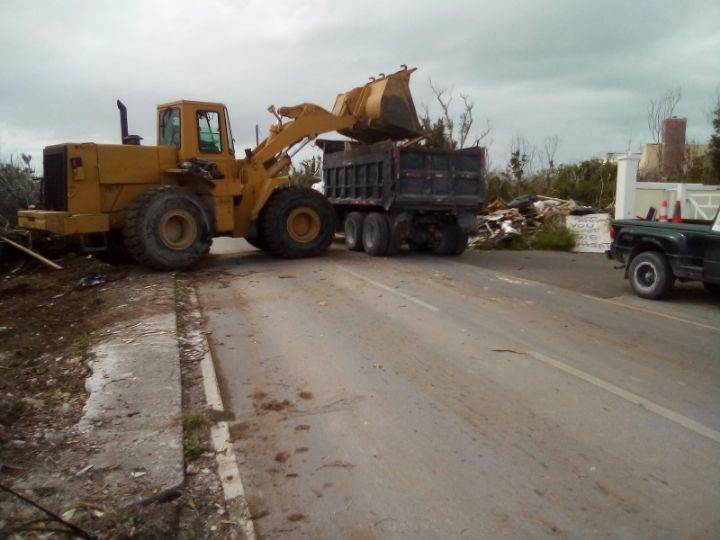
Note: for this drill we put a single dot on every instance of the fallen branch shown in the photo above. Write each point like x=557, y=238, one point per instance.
x=31, y=253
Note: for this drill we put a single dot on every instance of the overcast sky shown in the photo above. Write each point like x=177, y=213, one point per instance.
x=581, y=70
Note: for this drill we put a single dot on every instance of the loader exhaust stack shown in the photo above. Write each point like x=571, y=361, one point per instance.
x=126, y=139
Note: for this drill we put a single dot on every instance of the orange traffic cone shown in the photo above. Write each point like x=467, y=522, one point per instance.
x=663, y=211
x=677, y=213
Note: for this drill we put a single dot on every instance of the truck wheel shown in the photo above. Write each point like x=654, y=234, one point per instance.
x=713, y=288
x=453, y=240
x=297, y=222
x=354, y=231
x=650, y=275
x=376, y=234
x=461, y=243
x=167, y=228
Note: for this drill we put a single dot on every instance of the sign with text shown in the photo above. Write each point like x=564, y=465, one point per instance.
x=592, y=232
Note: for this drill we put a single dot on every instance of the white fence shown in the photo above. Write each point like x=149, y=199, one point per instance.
x=633, y=199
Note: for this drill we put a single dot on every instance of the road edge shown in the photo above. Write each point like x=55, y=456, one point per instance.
x=228, y=470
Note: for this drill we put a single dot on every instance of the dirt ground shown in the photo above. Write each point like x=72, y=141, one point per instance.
x=49, y=322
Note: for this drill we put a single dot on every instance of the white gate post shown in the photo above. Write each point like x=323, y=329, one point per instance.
x=627, y=169
x=682, y=196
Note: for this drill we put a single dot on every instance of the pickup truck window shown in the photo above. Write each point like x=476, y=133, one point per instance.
x=209, y=137
x=170, y=128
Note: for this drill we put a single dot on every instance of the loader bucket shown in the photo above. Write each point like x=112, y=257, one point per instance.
x=384, y=109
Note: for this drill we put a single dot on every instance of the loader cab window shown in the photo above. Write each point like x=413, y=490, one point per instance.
x=170, y=128
x=209, y=132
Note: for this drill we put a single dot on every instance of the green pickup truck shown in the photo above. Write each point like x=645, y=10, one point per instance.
x=657, y=253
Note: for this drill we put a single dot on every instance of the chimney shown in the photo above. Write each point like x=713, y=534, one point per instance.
x=673, y=144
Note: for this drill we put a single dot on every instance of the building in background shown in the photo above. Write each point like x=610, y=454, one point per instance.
x=661, y=161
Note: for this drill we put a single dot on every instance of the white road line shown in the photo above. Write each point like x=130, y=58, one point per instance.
x=390, y=289
x=228, y=470
x=651, y=312
x=509, y=279
x=668, y=414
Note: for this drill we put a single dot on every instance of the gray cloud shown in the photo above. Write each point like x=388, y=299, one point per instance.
x=581, y=70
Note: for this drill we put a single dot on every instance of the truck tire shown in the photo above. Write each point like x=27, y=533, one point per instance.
x=376, y=234
x=650, y=275
x=713, y=288
x=167, y=228
x=354, y=222
x=453, y=240
x=461, y=243
x=297, y=222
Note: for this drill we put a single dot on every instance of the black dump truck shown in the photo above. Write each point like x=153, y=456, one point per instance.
x=385, y=194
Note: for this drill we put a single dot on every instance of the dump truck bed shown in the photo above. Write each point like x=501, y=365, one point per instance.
x=386, y=175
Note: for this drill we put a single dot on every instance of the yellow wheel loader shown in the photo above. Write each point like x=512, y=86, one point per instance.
x=160, y=206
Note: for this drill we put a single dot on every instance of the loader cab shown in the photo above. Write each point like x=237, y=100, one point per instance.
x=197, y=130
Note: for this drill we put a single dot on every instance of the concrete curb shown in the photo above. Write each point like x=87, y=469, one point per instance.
x=228, y=470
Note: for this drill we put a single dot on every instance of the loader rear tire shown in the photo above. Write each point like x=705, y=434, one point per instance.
x=354, y=231
x=168, y=228
x=297, y=222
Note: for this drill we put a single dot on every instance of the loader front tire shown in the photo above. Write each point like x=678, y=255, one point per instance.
x=168, y=228
x=297, y=222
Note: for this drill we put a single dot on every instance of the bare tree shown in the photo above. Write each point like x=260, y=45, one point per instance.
x=550, y=148
x=659, y=110
x=446, y=131
x=522, y=156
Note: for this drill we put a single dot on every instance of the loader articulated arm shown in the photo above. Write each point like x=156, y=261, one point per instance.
x=307, y=120
x=381, y=109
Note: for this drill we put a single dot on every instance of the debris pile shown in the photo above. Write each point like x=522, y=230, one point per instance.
x=523, y=216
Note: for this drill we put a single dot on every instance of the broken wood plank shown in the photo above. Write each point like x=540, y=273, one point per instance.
x=31, y=253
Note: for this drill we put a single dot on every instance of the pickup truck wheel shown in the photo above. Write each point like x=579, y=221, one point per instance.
x=376, y=234
x=713, y=288
x=354, y=222
x=650, y=275
x=297, y=222
x=167, y=228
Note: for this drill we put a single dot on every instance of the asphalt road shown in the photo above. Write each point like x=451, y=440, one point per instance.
x=487, y=396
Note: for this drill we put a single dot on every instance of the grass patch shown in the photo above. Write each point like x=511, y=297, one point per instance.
x=194, y=420
x=513, y=243
x=553, y=236
x=193, y=446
